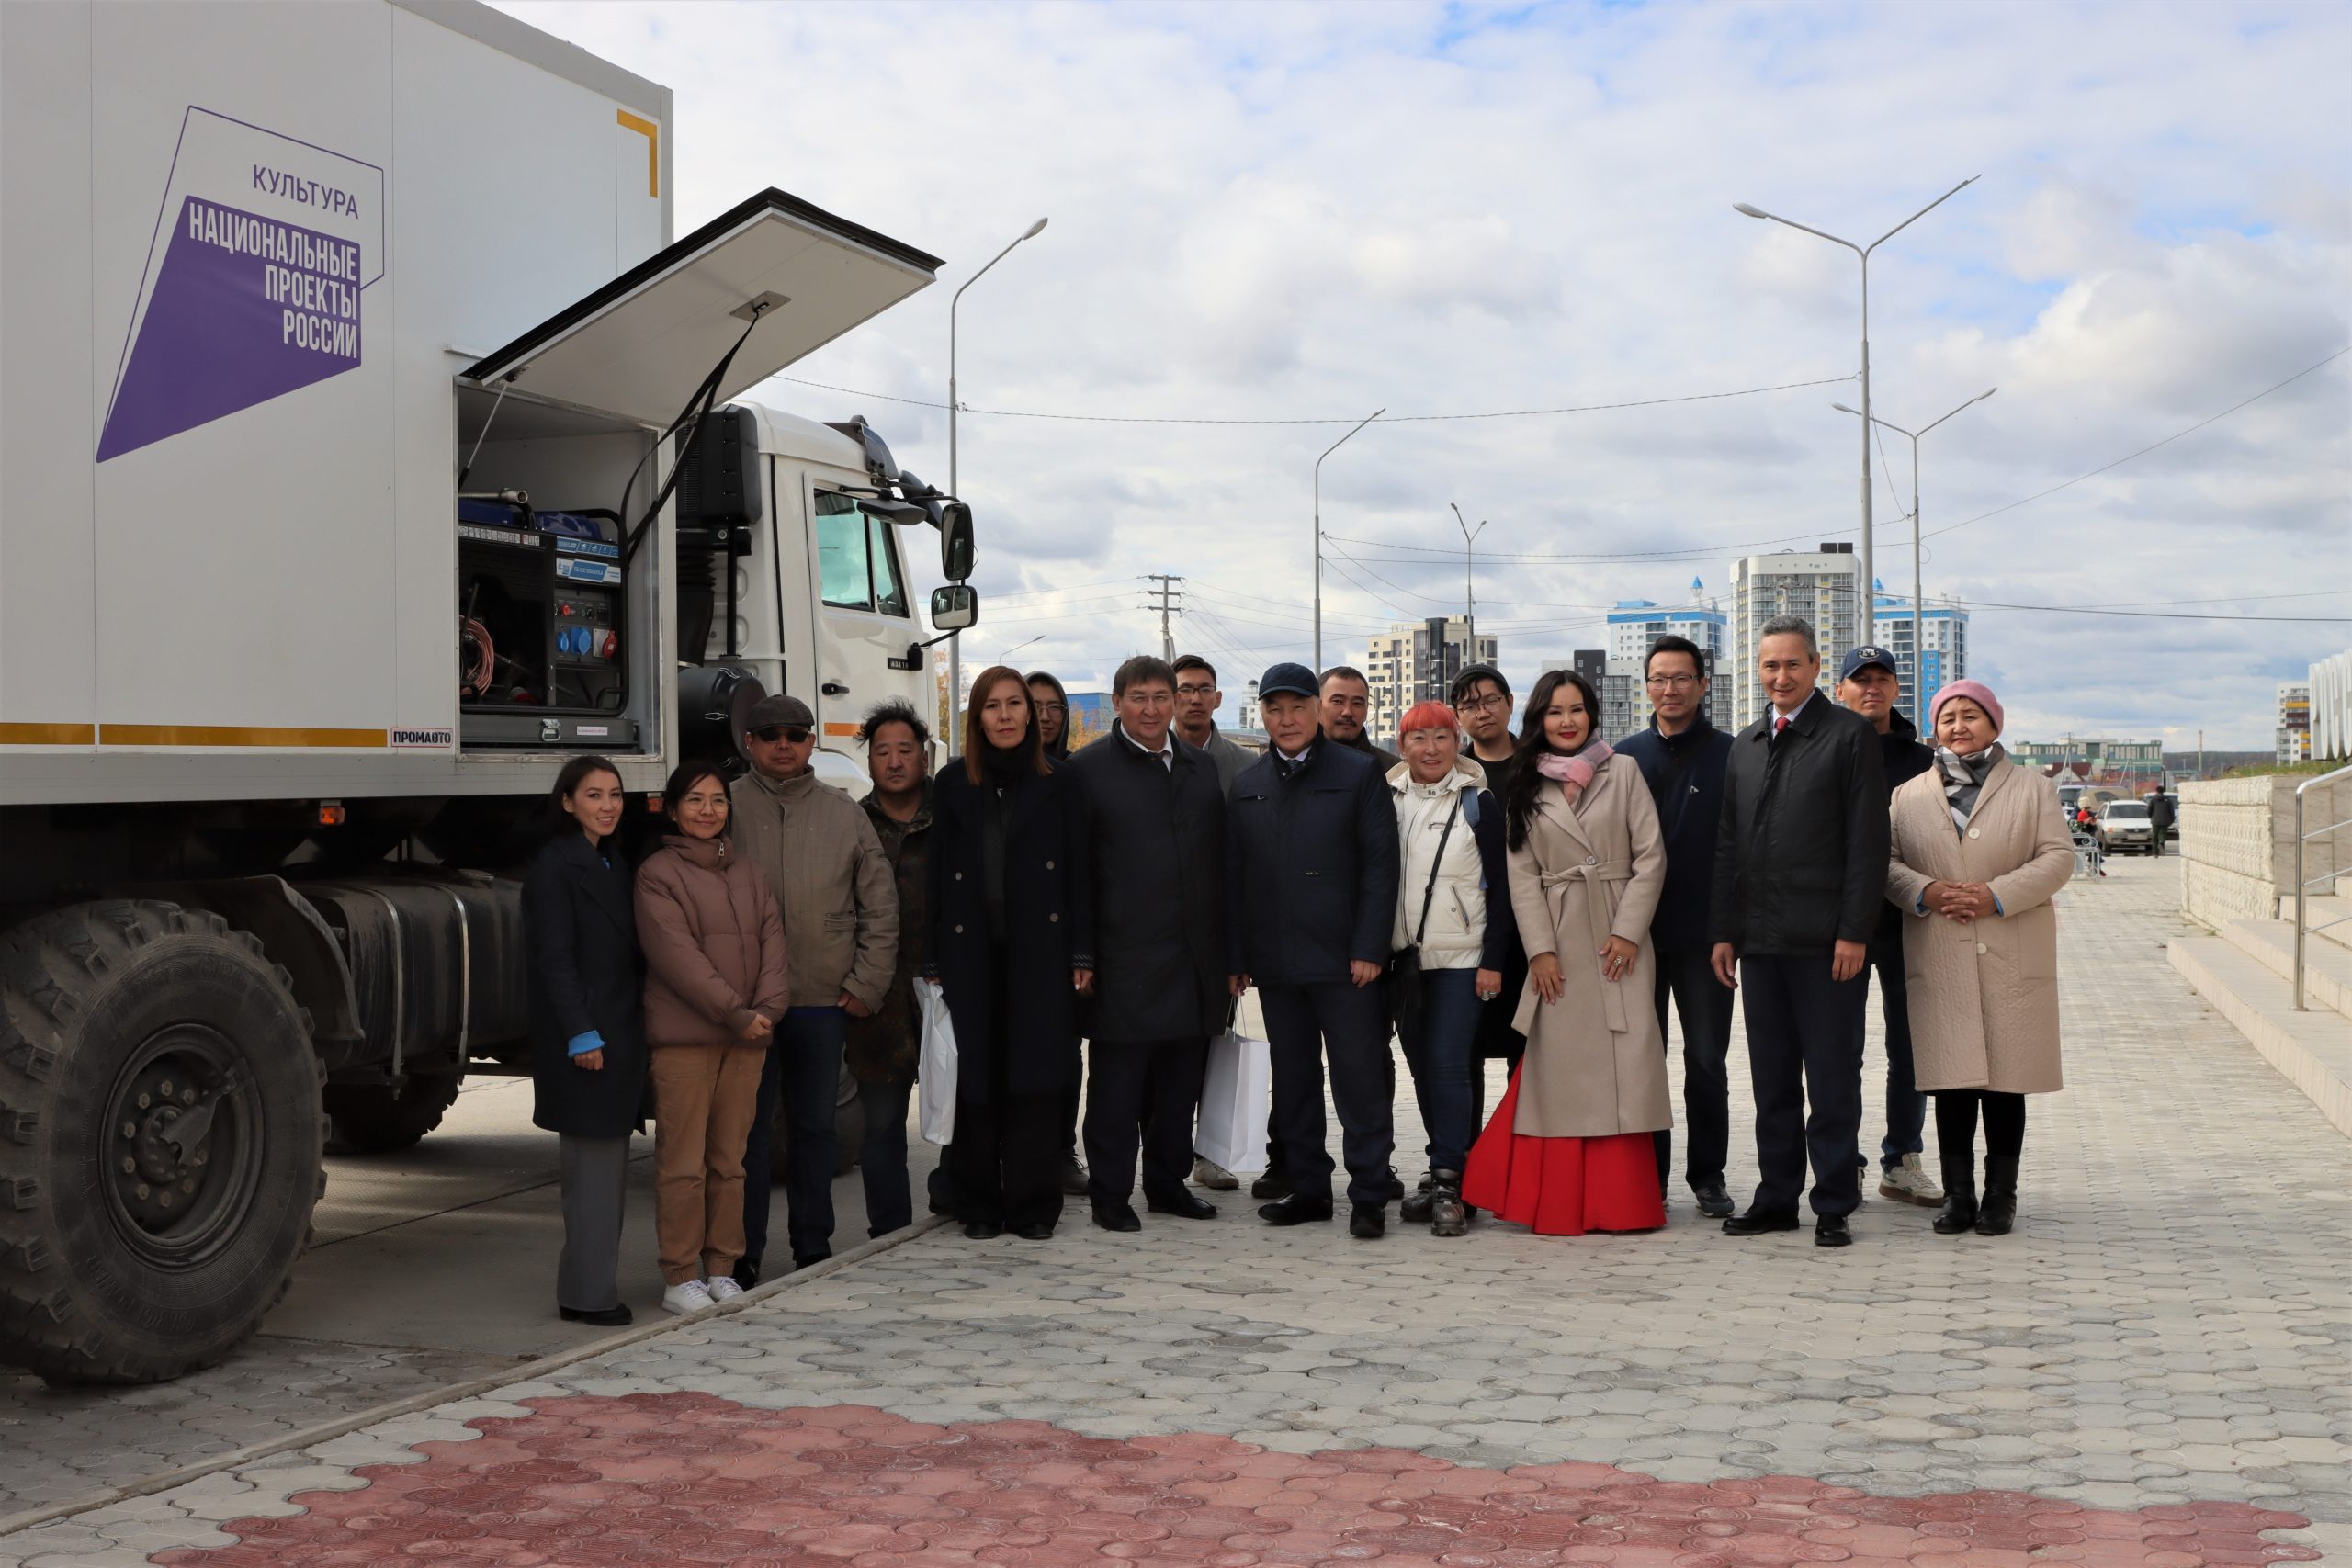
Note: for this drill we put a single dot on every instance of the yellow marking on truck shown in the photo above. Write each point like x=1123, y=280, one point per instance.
x=48, y=734
x=236, y=735
x=834, y=728
x=653, y=134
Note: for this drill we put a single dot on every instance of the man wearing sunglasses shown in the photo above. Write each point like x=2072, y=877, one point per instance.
x=839, y=894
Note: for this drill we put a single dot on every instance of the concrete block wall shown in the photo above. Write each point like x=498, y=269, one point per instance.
x=2237, y=844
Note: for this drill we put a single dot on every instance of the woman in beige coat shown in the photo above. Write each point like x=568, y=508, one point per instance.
x=1978, y=847
x=1570, y=1148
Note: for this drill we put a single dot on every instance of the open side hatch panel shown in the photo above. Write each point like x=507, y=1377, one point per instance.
x=639, y=347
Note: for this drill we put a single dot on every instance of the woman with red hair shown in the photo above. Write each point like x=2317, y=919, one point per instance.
x=1454, y=916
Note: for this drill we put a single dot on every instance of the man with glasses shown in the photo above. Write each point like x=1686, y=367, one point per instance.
x=1197, y=699
x=1682, y=756
x=839, y=894
x=1866, y=684
x=1482, y=698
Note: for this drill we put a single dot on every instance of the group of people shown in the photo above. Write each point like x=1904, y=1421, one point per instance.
x=1541, y=896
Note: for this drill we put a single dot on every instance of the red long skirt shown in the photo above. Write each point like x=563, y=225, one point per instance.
x=1564, y=1186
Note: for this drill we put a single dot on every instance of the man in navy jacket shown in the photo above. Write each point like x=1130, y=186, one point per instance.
x=1311, y=885
x=1682, y=756
x=1866, y=684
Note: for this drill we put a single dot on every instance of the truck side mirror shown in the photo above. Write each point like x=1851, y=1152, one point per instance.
x=957, y=606
x=956, y=546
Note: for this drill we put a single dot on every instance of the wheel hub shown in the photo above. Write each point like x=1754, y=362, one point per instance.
x=181, y=1151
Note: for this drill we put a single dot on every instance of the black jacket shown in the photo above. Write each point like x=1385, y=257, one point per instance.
x=1382, y=757
x=1906, y=758
x=1310, y=867
x=1801, y=847
x=1156, y=840
x=1685, y=772
x=1016, y=997
x=581, y=921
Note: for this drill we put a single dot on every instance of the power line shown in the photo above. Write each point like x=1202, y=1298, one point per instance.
x=2143, y=451
x=1351, y=419
x=2149, y=614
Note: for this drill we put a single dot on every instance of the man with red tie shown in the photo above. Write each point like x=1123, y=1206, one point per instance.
x=1799, y=874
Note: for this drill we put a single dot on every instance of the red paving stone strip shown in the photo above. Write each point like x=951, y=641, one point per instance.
x=688, y=1478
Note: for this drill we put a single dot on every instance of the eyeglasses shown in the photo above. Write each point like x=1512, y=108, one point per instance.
x=1483, y=705
x=1676, y=682
x=1197, y=691
x=1051, y=708
x=794, y=733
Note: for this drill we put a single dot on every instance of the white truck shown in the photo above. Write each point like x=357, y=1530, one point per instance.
x=366, y=453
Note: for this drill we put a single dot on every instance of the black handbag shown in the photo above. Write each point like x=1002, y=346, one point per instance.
x=1404, y=978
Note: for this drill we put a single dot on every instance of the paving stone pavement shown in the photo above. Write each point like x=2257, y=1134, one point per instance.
x=2152, y=1370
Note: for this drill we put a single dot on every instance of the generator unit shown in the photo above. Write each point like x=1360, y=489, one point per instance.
x=542, y=619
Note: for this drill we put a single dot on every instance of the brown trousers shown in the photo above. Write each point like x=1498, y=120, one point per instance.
x=704, y=1100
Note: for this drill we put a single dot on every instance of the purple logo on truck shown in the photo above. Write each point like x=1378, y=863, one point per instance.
x=268, y=245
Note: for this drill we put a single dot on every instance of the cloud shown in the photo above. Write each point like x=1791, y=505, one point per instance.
x=1279, y=210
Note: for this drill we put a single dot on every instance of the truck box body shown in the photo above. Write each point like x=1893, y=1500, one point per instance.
x=252, y=254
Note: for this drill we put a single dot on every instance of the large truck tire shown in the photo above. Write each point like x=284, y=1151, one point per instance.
x=159, y=1134
x=369, y=1119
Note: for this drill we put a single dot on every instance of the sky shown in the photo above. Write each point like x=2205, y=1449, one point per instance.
x=1282, y=212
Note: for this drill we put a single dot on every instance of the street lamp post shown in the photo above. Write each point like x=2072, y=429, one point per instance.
x=1918, y=601
x=1335, y=445
x=1469, y=594
x=1869, y=609
x=956, y=640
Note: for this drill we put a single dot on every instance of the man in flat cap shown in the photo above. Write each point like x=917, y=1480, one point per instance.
x=839, y=894
x=1311, y=890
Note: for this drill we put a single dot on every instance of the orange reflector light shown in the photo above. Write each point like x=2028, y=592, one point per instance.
x=332, y=814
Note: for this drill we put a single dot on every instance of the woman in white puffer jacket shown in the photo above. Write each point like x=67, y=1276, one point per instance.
x=1454, y=916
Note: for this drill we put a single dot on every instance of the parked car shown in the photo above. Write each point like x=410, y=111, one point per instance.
x=2124, y=825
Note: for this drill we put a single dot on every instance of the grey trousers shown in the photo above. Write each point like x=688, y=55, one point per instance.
x=595, y=1173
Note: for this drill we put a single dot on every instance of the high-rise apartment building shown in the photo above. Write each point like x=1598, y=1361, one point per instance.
x=1633, y=626
x=2293, y=733
x=1824, y=586
x=1943, y=634
x=1417, y=660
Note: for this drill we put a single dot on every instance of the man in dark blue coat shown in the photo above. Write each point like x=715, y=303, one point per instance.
x=1155, y=824
x=1682, y=756
x=1311, y=894
x=1866, y=684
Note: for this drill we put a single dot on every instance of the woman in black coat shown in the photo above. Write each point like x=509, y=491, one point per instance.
x=588, y=1058
x=1011, y=941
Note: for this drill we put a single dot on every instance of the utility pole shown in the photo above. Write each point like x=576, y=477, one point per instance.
x=1469, y=594
x=1171, y=598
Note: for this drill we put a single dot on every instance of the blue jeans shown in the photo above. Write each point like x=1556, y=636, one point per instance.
x=1438, y=1051
x=1906, y=1108
x=804, y=1067
x=882, y=1156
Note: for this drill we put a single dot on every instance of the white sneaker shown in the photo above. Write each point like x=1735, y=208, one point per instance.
x=722, y=1287
x=1215, y=1178
x=687, y=1298
x=1910, y=1183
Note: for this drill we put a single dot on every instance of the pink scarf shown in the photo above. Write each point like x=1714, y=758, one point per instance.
x=1575, y=773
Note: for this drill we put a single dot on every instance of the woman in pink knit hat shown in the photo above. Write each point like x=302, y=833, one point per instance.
x=1978, y=846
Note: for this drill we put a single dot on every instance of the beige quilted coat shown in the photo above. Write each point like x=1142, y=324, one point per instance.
x=1595, y=1064
x=1984, y=994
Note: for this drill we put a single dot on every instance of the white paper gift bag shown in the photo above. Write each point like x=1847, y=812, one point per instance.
x=936, y=1076
x=1236, y=1094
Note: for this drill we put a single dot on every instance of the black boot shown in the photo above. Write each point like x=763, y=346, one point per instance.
x=1999, y=1210
x=1959, y=1213
x=1414, y=1210
x=1447, y=1214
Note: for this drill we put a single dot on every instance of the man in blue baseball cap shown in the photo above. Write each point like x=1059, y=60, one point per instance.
x=1311, y=888
x=1868, y=684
